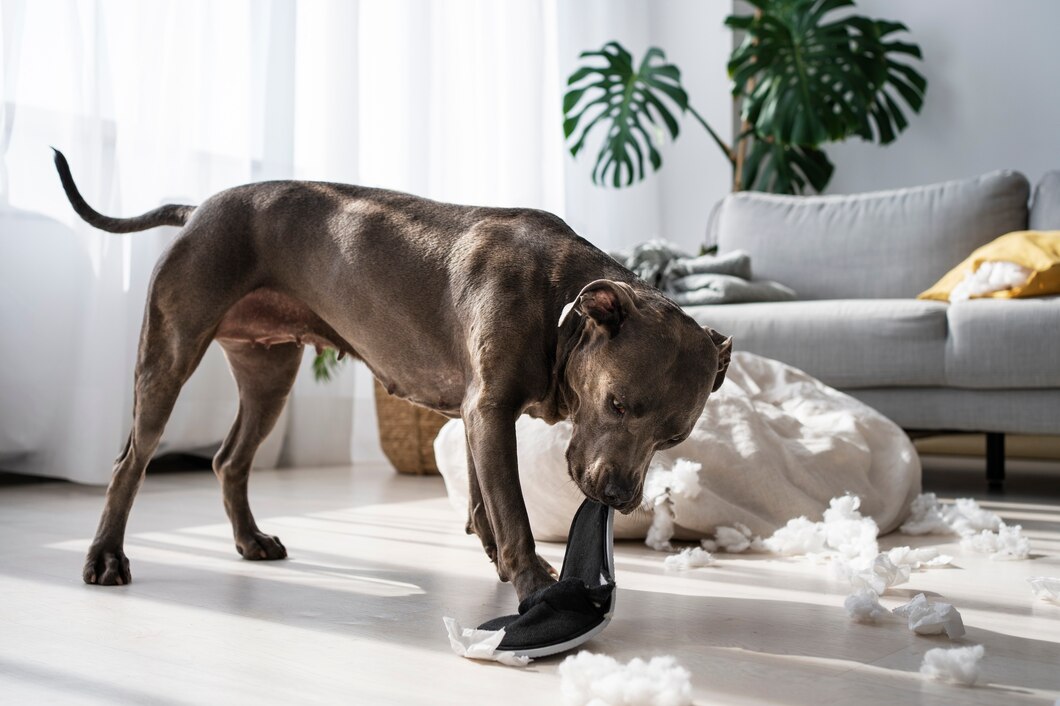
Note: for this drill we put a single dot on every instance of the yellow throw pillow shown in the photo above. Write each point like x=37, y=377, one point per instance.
x=1038, y=251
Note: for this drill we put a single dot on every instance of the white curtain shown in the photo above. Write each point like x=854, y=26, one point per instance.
x=171, y=101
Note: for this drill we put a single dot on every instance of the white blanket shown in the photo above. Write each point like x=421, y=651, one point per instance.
x=774, y=443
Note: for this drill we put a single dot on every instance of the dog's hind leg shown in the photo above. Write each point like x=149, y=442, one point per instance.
x=169, y=353
x=264, y=377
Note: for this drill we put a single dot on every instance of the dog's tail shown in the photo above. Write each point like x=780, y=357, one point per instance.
x=168, y=215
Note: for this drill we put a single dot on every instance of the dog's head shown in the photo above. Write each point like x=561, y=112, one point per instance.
x=637, y=382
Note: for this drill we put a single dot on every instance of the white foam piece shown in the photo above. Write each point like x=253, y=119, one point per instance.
x=588, y=679
x=927, y=618
x=1045, y=587
x=1007, y=544
x=690, y=558
x=959, y=665
x=863, y=606
x=480, y=644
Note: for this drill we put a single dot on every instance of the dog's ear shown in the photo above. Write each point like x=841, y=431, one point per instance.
x=607, y=302
x=724, y=345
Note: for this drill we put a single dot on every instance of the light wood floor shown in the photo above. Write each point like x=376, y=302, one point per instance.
x=355, y=615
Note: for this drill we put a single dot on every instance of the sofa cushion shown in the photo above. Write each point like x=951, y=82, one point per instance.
x=846, y=343
x=886, y=244
x=1045, y=208
x=1004, y=344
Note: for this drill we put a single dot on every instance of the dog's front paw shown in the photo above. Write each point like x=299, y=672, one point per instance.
x=548, y=567
x=106, y=567
x=533, y=580
x=258, y=546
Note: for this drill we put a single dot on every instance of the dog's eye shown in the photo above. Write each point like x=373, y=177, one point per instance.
x=619, y=408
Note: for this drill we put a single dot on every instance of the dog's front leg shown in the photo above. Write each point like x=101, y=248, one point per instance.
x=491, y=439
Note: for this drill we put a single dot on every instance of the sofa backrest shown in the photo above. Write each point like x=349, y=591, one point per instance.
x=884, y=244
x=1045, y=208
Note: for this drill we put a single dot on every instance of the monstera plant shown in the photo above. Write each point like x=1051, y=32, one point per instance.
x=803, y=76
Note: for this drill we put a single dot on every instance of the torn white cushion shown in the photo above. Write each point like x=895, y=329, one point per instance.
x=774, y=443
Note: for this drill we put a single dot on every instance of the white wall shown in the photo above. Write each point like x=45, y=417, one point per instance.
x=673, y=203
x=993, y=98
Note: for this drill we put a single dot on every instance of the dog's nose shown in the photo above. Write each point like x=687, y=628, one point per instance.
x=616, y=495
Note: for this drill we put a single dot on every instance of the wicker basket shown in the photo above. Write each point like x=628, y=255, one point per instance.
x=406, y=433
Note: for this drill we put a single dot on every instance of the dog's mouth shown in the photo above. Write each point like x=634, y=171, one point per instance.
x=588, y=491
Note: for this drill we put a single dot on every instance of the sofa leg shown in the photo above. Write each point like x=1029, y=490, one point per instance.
x=995, y=461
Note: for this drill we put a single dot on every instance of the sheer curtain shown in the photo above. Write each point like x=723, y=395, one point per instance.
x=171, y=101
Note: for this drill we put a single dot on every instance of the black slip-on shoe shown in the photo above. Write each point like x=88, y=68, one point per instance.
x=580, y=605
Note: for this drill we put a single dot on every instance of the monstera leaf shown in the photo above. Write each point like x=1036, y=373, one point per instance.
x=632, y=103
x=806, y=79
x=784, y=169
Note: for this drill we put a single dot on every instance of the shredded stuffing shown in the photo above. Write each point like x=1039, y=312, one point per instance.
x=919, y=557
x=735, y=540
x=660, y=487
x=588, y=679
x=844, y=531
x=864, y=606
x=480, y=644
x=1007, y=544
x=964, y=517
x=690, y=558
x=925, y=517
x=927, y=618
x=991, y=276
x=662, y=526
x=685, y=478
x=1045, y=587
x=959, y=665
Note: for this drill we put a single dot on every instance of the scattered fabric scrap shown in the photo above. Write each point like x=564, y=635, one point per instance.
x=1045, y=587
x=587, y=678
x=480, y=644
x=877, y=576
x=959, y=665
x=690, y=558
x=864, y=606
x=1007, y=544
x=927, y=618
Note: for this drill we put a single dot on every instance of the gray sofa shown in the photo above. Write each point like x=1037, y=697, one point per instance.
x=857, y=262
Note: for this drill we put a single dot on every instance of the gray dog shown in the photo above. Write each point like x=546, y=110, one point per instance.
x=478, y=313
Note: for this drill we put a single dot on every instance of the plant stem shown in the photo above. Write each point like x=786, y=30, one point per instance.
x=729, y=154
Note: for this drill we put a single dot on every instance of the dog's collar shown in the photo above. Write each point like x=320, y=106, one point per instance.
x=567, y=309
